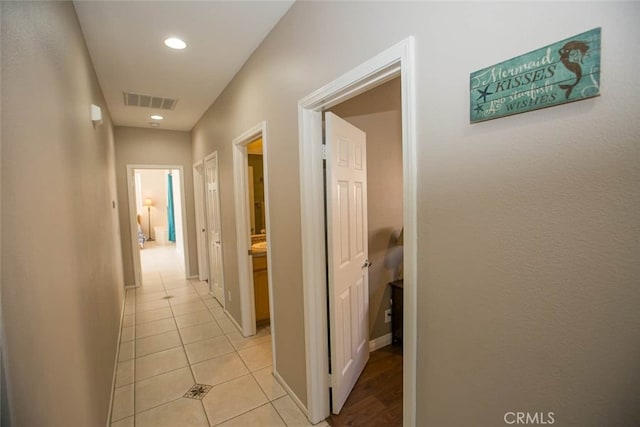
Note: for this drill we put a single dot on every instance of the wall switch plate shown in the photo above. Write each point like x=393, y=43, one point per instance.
x=229, y=294
x=387, y=315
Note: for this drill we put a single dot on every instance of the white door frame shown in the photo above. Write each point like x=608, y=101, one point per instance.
x=201, y=235
x=243, y=227
x=214, y=154
x=395, y=61
x=137, y=269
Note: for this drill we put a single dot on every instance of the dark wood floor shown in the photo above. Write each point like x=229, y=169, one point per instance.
x=376, y=399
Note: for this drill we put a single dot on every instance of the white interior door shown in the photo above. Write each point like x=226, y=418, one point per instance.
x=214, y=238
x=347, y=255
x=198, y=196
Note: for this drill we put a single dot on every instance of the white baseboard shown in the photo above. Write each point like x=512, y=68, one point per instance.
x=379, y=342
x=115, y=364
x=291, y=394
x=237, y=325
x=193, y=277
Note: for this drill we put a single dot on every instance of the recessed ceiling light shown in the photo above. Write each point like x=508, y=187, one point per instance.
x=175, y=43
x=157, y=117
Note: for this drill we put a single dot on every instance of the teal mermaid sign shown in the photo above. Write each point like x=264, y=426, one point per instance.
x=566, y=71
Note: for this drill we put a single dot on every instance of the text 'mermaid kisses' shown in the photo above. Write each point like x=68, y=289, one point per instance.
x=533, y=77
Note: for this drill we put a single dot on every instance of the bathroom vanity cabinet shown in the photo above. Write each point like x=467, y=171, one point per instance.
x=261, y=287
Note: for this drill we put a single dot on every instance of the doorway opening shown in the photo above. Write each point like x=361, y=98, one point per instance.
x=158, y=222
x=250, y=161
x=392, y=63
x=364, y=199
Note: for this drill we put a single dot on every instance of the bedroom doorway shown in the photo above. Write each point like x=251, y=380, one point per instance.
x=158, y=222
x=397, y=61
x=363, y=137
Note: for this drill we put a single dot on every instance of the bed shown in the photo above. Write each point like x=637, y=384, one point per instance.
x=141, y=237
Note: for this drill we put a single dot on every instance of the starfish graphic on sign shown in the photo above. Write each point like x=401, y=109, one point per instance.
x=484, y=93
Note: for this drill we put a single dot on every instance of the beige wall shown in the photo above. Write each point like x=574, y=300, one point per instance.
x=153, y=184
x=378, y=113
x=138, y=146
x=528, y=226
x=4, y=418
x=62, y=287
x=3, y=394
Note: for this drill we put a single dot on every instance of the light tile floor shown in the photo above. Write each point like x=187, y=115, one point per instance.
x=174, y=336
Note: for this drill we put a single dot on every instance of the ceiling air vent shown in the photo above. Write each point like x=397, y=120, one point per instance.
x=149, y=101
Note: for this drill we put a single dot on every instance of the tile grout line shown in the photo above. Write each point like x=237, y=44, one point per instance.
x=241, y=359
x=184, y=350
x=115, y=387
x=211, y=309
x=279, y=414
x=253, y=409
x=132, y=384
x=135, y=343
x=224, y=335
x=214, y=320
x=259, y=387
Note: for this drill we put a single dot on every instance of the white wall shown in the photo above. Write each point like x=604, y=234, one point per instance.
x=62, y=286
x=529, y=235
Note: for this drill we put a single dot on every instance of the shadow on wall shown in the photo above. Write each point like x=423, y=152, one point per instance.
x=5, y=417
x=381, y=242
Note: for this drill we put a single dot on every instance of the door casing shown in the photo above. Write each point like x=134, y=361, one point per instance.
x=243, y=229
x=396, y=61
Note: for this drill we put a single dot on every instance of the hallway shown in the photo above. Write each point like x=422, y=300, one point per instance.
x=182, y=362
x=521, y=235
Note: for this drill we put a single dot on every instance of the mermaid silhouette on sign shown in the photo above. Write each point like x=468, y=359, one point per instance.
x=571, y=56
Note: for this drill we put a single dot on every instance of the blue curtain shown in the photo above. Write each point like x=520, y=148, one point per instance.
x=170, y=219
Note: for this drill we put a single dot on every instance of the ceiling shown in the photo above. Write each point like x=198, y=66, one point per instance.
x=126, y=44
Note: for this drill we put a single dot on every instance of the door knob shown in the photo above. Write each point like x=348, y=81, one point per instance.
x=367, y=264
